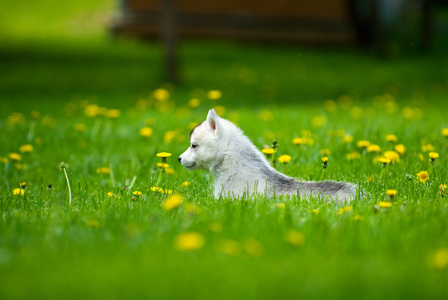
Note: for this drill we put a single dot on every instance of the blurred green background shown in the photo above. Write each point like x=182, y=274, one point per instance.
x=53, y=52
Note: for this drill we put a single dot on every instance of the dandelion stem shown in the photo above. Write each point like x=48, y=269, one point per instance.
x=69, y=190
x=433, y=171
x=382, y=170
x=112, y=178
x=30, y=135
x=132, y=182
x=160, y=176
x=322, y=175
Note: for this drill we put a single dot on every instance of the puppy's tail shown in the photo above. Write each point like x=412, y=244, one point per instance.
x=335, y=189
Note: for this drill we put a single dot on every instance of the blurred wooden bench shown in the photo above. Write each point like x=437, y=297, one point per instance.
x=307, y=21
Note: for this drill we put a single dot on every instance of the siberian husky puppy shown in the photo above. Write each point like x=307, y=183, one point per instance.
x=239, y=168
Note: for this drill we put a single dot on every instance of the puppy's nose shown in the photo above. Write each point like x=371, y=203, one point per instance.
x=179, y=159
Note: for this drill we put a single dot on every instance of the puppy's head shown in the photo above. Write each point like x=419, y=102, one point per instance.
x=204, y=148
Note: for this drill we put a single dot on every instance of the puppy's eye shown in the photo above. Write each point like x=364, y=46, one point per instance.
x=193, y=146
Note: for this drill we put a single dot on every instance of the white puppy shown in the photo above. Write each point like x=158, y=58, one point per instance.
x=240, y=168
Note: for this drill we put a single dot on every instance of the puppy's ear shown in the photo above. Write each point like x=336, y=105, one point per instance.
x=213, y=121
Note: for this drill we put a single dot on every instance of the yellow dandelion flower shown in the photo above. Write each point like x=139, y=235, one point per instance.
x=319, y=121
x=384, y=204
x=185, y=184
x=294, y=238
x=400, y=149
x=433, y=155
x=280, y=206
x=26, y=148
x=220, y=110
x=80, y=127
x=353, y=155
x=193, y=103
x=268, y=151
x=172, y=202
x=315, y=211
x=214, y=94
x=330, y=105
x=230, y=247
x=325, y=152
x=445, y=132
x=22, y=185
x=163, y=154
x=297, y=141
x=110, y=194
x=344, y=209
x=156, y=189
x=18, y=191
x=363, y=144
x=15, y=157
x=421, y=157
x=357, y=218
x=347, y=138
x=392, y=138
x=439, y=259
x=93, y=223
x=307, y=141
x=408, y=113
x=145, y=131
x=163, y=165
x=423, y=176
x=161, y=94
x=189, y=241
x=169, y=171
x=169, y=136
x=357, y=112
x=15, y=118
x=325, y=159
x=103, y=170
x=392, y=155
x=192, y=125
x=113, y=113
x=92, y=110
x=373, y=148
x=35, y=114
x=442, y=189
x=253, y=247
x=266, y=115
x=284, y=159
x=391, y=193
x=137, y=193
x=215, y=227
x=428, y=148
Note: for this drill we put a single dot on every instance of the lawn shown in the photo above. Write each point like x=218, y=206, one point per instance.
x=102, y=106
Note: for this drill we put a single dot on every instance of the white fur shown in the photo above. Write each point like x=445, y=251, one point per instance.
x=240, y=168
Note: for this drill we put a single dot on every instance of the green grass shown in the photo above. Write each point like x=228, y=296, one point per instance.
x=124, y=246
